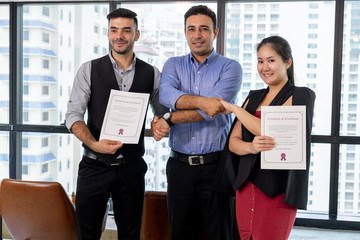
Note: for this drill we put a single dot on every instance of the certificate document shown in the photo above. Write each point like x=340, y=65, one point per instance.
x=124, y=116
x=287, y=125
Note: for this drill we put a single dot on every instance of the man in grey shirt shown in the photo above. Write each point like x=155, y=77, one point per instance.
x=111, y=168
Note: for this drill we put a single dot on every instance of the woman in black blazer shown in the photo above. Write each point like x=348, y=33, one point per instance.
x=267, y=200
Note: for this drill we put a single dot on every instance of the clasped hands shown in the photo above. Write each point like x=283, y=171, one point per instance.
x=209, y=105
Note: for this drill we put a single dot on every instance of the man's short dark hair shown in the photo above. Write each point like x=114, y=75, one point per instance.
x=203, y=10
x=125, y=13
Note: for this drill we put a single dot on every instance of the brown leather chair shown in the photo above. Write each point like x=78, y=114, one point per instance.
x=155, y=219
x=37, y=210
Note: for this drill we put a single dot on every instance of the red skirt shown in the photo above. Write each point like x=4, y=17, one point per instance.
x=262, y=218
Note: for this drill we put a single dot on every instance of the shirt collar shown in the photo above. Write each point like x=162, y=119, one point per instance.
x=115, y=65
x=208, y=60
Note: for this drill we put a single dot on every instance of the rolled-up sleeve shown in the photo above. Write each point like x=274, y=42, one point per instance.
x=79, y=96
x=228, y=86
x=169, y=91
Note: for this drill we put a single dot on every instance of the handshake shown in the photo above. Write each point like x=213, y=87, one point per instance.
x=186, y=112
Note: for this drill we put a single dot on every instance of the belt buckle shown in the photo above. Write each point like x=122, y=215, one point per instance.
x=196, y=160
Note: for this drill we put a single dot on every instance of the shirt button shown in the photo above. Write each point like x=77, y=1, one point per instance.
x=198, y=72
x=122, y=72
x=252, y=198
x=193, y=152
x=252, y=209
x=193, y=138
x=250, y=221
x=196, y=88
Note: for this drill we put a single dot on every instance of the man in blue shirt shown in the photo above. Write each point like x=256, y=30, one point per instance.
x=192, y=87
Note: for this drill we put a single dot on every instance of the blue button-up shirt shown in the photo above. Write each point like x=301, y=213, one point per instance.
x=217, y=76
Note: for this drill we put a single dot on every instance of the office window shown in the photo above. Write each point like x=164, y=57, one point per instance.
x=352, y=107
x=313, y=15
x=45, y=90
x=26, y=89
x=25, y=143
x=25, y=169
x=353, y=77
x=45, y=37
x=261, y=27
x=46, y=11
x=45, y=116
x=312, y=26
x=352, y=97
x=274, y=17
x=248, y=27
x=248, y=17
x=25, y=116
x=96, y=29
x=275, y=7
x=312, y=55
x=96, y=49
x=26, y=35
x=248, y=46
x=353, y=87
x=44, y=168
x=274, y=27
x=26, y=62
x=261, y=17
x=353, y=67
x=45, y=64
x=26, y=9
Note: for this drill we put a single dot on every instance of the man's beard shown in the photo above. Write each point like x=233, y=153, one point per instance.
x=126, y=50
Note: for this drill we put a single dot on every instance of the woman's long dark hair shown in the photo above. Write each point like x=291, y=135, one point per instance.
x=281, y=47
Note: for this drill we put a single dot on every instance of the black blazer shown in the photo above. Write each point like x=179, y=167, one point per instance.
x=235, y=170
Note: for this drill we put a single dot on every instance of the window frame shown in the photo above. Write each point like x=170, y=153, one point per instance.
x=15, y=127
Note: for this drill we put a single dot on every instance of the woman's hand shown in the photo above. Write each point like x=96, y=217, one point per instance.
x=229, y=108
x=262, y=143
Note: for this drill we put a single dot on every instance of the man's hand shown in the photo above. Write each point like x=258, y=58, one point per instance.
x=82, y=132
x=106, y=146
x=212, y=106
x=159, y=128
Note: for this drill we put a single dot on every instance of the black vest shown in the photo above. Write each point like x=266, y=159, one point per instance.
x=102, y=81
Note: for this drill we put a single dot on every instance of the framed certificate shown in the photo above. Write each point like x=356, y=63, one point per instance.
x=124, y=116
x=287, y=125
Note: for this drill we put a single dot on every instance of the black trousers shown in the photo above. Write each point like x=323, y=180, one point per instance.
x=96, y=183
x=193, y=204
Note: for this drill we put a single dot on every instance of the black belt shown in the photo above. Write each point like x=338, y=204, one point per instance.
x=196, y=159
x=115, y=162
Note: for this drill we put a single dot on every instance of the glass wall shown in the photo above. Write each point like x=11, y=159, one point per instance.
x=4, y=61
x=4, y=155
x=59, y=37
x=51, y=157
x=310, y=38
x=350, y=102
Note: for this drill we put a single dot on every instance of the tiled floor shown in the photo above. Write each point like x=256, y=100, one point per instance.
x=300, y=233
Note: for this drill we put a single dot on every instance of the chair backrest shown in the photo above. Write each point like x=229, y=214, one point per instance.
x=37, y=210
